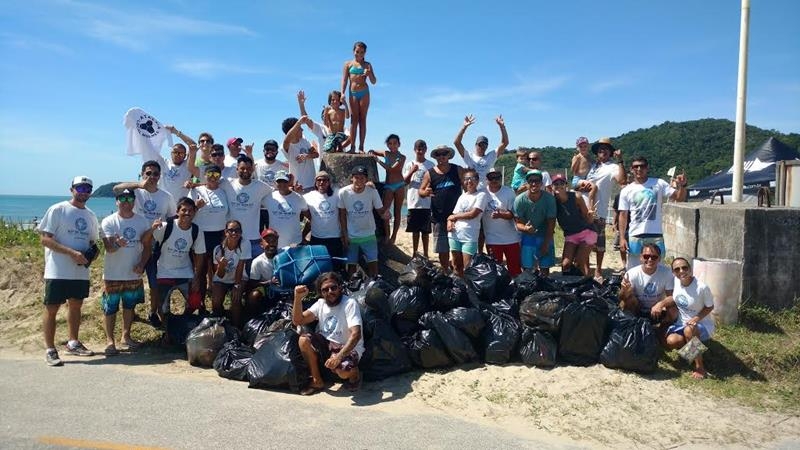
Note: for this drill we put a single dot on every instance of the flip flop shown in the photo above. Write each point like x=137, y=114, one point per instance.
x=699, y=374
x=111, y=351
x=311, y=390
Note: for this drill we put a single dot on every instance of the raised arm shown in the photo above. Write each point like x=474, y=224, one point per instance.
x=679, y=183
x=468, y=120
x=503, y=136
x=128, y=185
x=186, y=139
x=369, y=72
x=301, y=102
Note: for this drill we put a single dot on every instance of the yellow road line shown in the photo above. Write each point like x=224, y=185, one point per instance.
x=82, y=443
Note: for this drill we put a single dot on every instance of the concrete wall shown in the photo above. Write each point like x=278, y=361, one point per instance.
x=765, y=240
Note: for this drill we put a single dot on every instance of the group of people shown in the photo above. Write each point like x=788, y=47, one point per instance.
x=206, y=221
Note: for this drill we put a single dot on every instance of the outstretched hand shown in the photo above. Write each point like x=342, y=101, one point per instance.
x=469, y=120
x=499, y=120
x=301, y=96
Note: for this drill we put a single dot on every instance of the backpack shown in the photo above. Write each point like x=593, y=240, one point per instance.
x=167, y=232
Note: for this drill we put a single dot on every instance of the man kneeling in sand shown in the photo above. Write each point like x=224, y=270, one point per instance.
x=338, y=340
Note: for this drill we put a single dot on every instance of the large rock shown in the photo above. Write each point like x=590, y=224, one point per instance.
x=339, y=166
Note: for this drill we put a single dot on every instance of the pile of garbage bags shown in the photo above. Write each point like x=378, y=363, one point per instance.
x=433, y=321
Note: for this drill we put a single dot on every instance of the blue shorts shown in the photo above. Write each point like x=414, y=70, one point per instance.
x=367, y=245
x=530, y=253
x=677, y=328
x=128, y=292
x=470, y=248
x=637, y=243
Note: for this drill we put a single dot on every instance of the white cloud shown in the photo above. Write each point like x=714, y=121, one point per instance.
x=208, y=69
x=599, y=87
x=34, y=44
x=520, y=90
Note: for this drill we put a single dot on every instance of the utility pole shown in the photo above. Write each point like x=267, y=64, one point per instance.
x=741, y=107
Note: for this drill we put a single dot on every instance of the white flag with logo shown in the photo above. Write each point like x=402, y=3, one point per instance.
x=146, y=135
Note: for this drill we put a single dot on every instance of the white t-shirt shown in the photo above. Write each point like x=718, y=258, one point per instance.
x=304, y=172
x=643, y=201
x=145, y=133
x=499, y=231
x=359, y=206
x=244, y=205
x=262, y=268
x=468, y=230
x=213, y=215
x=324, y=214
x=73, y=227
x=413, y=199
x=602, y=176
x=265, y=171
x=154, y=205
x=119, y=265
x=650, y=289
x=233, y=256
x=230, y=173
x=175, y=260
x=173, y=177
x=481, y=164
x=335, y=323
x=691, y=300
x=284, y=216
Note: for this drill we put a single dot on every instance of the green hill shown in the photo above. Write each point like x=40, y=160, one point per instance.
x=700, y=147
x=106, y=190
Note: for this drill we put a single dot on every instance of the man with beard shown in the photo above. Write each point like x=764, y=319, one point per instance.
x=640, y=209
x=443, y=185
x=262, y=274
x=267, y=167
x=245, y=196
x=535, y=215
x=286, y=210
x=176, y=171
x=338, y=340
x=68, y=232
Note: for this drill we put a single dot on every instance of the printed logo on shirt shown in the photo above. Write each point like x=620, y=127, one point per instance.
x=494, y=204
x=330, y=325
x=480, y=165
x=230, y=268
x=269, y=177
x=147, y=126
x=172, y=173
x=150, y=206
x=181, y=244
x=285, y=208
x=129, y=233
x=650, y=289
x=80, y=224
x=324, y=206
x=358, y=206
x=681, y=300
x=243, y=197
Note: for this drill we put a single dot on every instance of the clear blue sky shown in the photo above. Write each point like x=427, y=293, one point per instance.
x=555, y=70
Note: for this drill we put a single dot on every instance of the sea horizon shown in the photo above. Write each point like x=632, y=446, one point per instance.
x=23, y=209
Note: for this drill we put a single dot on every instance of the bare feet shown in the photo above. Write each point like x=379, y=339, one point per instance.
x=699, y=374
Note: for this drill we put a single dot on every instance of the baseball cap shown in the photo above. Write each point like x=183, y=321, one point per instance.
x=271, y=143
x=126, y=193
x=282, y=175
x=322, y=174
x=236, y=140
x=82, y=180
x=581, y=140
x=359, y=170
x=267, y=232
x=534, y=173
x=493, y=173
x=558, y=177
x=482, y=140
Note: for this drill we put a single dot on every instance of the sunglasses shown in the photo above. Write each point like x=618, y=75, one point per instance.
x=151, y=173
x=322, y=180
x=83, y=189
x=533, y=159
x=438, y=155
x=494, y=178
x=213, y=175
x=638, y=166
x=650, y=257
x=126, y=199
x=178, y=152
x=680, y=269
x=233, y=230
x=271, y=150
x=203, y=141
x=470, y=178
x=217, y=154
x=559, y=183
x=329, y=288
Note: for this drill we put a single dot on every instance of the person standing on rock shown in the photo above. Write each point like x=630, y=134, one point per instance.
x=68, y=232
x=442, y=184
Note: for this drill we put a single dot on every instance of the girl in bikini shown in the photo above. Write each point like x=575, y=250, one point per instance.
x=357, y=71
x=394, y=188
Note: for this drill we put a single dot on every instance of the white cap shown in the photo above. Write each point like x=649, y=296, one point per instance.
x=82, y=180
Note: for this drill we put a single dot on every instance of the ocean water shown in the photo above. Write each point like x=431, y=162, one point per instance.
x=24, y=208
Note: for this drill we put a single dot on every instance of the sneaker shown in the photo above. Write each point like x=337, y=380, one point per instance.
x=79, y=350
x=52, y=358
x=154, y=320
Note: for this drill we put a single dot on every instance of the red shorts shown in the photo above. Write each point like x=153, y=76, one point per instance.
x=510, y=253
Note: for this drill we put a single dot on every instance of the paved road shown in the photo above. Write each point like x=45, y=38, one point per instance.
x=90, y=404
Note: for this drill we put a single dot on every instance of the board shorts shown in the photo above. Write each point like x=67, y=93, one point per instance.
x=677, y=328
x=441, y=243
x=57, y=291
x=325, y=349
x=129, y=293
x=587, y=236
x=531, y=256
x=367, y=245
x=419, y=221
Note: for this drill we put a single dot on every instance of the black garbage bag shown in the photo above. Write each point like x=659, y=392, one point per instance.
x=632, y=345
x=278, y=325
x=255, y=326
x=426, y=350
x=279, y=363
x=377, y=300
x=179, y=326
x=542, y=310
x=575, y=284
x=448, y=293
x=583, y=332
x=418, y=272
x=407, y=305
x=232, y=360
x=456, y=343
x=500, y=337
x=384, y=353
x=481, y=279
x=468, y=320
x=207, y=338
x=537, y=348
x=508, y=306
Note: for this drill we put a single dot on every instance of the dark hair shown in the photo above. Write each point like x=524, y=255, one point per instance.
x=333, y=94
x=206, y=134
x=287, y=124
x=244, y=159
x=217, y=148
x=680, y=258
x=652, y=247
x=419, y=142
x=186, y=201
x=240, y=234
x=180, y=145
x=360, y=44
x=213, y=168
x=271, y=143
x=392, y=136
x=151, y=163
x=640, y=159
x=327, y=276
x=470, y=170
